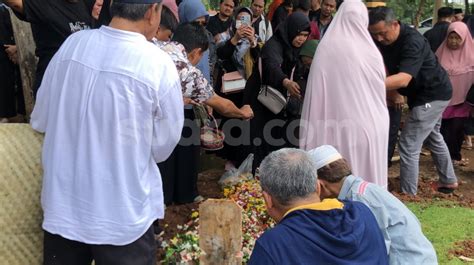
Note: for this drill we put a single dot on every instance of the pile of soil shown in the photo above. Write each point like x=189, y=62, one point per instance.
x=464, y=250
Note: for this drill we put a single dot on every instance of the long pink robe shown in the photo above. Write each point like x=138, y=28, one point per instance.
x=345, y=105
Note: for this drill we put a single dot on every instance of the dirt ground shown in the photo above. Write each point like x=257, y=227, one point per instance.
x=464, y=195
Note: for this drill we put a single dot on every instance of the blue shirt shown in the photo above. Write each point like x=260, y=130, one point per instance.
x=318, y=234
x=401, y=230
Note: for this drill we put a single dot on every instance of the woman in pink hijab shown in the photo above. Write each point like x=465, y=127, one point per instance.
x=456, y=55
x=345, y=102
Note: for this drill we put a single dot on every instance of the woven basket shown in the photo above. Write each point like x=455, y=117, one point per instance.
x=212, y=138
x=21, y=237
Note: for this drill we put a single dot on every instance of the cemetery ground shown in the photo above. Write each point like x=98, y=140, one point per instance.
x=447, y=220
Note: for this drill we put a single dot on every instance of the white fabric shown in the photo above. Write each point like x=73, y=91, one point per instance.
x=345, y=104
x=324, y=155
x=111, y=106
x=264, y=32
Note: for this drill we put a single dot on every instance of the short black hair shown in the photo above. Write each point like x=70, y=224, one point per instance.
x=191, y=35
x=445, y=12
x=168, y=20
x=288, y=3
x=458, y=11
x=264, y=3
x=322, y=1
x=304, y=5
x=381, y=13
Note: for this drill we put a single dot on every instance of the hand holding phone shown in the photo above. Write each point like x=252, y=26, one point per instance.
x=244, y=19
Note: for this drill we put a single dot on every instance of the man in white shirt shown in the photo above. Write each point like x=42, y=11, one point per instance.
x=110, y=106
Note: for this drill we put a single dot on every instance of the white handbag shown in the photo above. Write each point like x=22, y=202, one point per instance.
x=269, y=96
x=272, y=99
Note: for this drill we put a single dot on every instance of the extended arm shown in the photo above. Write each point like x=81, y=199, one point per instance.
x=228, y=109
x=397, y=81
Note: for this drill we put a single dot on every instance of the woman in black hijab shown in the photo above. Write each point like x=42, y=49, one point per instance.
x=279, y=58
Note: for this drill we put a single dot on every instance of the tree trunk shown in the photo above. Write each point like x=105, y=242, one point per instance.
x=419, y=13
x=467, y=8
x=26, y=59
x=438, y=4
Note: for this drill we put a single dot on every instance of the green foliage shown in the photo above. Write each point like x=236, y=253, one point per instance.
x=406, y=9
x=444, y=224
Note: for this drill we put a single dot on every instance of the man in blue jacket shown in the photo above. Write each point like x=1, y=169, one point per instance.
x=400, y=228
x=311, y=231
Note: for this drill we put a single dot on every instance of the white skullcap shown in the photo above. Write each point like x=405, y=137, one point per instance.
x=324, y=155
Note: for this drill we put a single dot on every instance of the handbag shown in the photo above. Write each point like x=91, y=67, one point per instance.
x=270, y=97
x=232, y=82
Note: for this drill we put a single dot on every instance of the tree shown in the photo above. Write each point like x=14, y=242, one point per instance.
x=405, y=9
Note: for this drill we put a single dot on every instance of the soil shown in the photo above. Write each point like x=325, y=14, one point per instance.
x=464, y=195
x=464, y=250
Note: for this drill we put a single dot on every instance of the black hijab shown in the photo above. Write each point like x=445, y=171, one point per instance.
x=289, y=29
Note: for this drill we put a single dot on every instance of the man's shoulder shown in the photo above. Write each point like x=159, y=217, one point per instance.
x=373, y=196
x=409, y=34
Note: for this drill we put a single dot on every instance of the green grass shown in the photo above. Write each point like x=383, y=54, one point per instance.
x=444, y=224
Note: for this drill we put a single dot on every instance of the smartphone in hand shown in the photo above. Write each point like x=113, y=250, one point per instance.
x=244, y=19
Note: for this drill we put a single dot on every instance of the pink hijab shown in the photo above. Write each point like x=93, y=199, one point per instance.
x=171, y=4
x=345, y=104
x=458, y=63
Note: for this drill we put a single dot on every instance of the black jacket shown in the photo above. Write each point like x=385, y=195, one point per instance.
x=437, y=34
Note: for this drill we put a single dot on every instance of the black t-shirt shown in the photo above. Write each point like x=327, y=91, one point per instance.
x=52, y=21
x=411, y=54
x=437, y=35
x=216, y=25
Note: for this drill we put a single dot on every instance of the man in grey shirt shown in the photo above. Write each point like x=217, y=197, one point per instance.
x=400, y=228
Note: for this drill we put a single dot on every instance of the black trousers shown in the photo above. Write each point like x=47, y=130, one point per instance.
x=62, y=251
x=453, y=134
x=469, y=126
x=395, y=118
x=180, y=171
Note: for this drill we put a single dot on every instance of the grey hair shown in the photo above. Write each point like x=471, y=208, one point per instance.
x=381, y=13
x=132, y=12
x=288, y=174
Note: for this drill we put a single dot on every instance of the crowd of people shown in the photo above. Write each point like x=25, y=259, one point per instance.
x=120, y=84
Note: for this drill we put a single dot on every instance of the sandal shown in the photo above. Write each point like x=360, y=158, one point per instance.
x=467, y=144
x=444, y=188
x=461, y=163
x=466, y=147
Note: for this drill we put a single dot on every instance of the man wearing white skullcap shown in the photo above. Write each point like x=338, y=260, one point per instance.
x=403, y=236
